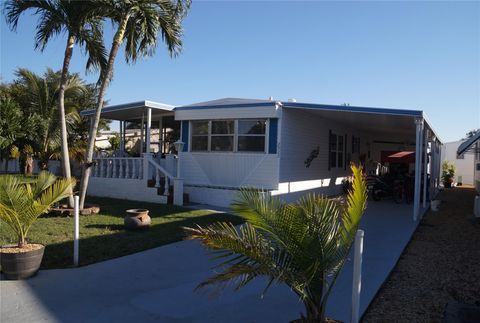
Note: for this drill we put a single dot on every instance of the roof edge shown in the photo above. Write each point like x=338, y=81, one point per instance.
x=467, y=144
x=227, y=106
x=130, y=105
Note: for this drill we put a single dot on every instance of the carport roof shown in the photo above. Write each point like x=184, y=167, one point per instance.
x=132, y=110
x=378, y=120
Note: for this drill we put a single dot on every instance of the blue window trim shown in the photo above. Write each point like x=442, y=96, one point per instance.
x=185, y=129
x=272, y=136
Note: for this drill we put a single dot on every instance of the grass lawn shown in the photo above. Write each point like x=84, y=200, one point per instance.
x=103, y=237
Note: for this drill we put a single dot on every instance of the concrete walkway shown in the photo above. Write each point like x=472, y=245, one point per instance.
x=157, y=285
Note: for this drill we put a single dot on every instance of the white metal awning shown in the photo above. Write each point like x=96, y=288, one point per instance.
x=133, y=111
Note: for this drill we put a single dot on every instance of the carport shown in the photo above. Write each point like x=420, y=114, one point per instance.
x=387, y=130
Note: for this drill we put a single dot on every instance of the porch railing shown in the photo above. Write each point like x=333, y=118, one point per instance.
x=142, y=168
x=158, y=173
x=119, y=167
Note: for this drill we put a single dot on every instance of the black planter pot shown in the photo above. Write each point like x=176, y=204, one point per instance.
x=21, y=265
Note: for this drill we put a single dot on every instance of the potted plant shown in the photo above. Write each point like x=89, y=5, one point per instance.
x=22, y=201
x=303, y=244
x=448, y=172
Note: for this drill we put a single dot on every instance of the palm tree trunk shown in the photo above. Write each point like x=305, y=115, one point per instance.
x=61, y=109
x=117, y=41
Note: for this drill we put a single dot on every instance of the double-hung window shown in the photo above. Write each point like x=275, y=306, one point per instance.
x=200, y=131
x=336, y=151
x=251, y=135
x=222, y=134
x=244, y=135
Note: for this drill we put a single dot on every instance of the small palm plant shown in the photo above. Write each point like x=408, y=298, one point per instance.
x=22, y=201
x=303, y=245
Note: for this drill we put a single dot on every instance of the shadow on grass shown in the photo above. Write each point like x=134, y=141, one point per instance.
x=122, y=242
x=117, y=207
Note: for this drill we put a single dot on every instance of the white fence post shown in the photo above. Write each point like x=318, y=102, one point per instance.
x=76, y=230
x=357, y=276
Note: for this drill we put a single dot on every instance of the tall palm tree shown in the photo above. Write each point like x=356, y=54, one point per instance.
x=79, y=20
x=303, y=245
x=139, y=22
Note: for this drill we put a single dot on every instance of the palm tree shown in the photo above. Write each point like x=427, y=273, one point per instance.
x=303, y=245
x=43, y=93
x=23, y=201
x=11, y=128
x=138, y=22
x=82, y=26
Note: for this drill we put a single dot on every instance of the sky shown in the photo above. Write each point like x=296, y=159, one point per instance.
x=407, y=55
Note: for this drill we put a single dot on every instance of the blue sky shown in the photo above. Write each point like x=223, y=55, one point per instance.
x=411, y=55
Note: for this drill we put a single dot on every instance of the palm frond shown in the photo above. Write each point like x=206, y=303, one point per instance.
x=303, y=245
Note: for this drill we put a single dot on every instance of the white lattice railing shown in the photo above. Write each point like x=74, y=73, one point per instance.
x=119, y=167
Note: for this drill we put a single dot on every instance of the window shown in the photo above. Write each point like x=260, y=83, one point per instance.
x=222, y=135
x=200, y=135
x=245, y=135
x=251, y=135
x=336, y=151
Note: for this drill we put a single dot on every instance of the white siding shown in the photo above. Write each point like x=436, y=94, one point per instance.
x=211, y=196
x=464, y=167
x=227, y=113
x=302, y=132
x=230, y=169
x=124, y=188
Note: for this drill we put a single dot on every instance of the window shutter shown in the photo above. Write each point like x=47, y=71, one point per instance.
x=272, y=136
x=185, y=137
x=329, y=149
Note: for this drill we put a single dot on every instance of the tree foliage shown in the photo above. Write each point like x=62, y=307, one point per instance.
x=29, y=115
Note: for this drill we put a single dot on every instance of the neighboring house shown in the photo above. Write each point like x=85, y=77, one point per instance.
x=471, y=147
x=463, y=164
x=288, y=149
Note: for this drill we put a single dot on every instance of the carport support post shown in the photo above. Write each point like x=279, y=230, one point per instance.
x=357, y=276
x=149, y=126
x=142, y=137
x=418, y=166
x=122, y=137
x=425, y=165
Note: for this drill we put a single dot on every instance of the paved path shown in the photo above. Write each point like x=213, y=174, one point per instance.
x=157, y=285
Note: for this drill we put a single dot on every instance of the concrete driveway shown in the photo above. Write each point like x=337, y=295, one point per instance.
x=157, y=285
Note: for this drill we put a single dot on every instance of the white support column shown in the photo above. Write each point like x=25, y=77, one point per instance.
x=142, y=130
x=418, y=166
x=148, y=134
x=160, y=136
x=122, y=137
x=178, y=191
x=357, y=276
x=425, y=164
x=178, y=181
